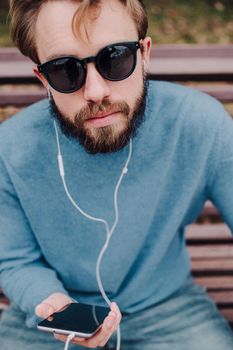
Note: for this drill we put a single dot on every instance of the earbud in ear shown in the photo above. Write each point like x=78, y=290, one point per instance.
x=145, y=66
x=49, y=92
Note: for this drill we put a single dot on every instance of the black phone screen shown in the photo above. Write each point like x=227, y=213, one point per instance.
x=76, y=317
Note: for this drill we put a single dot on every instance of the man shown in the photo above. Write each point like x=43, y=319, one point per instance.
x=137, y=161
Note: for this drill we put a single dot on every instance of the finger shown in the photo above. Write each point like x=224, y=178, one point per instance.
x=44, y=310
x=108, y=328
x=116, y=309
x=56, y=300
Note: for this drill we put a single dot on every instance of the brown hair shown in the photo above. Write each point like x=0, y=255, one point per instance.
x=24, y=15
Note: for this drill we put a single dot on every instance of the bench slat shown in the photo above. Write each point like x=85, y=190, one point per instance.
x=222, y=298
x=208, y=232
x=212, y=265
x=228, y=314
x=160, y=51
x=192, y=51
x=21, y=98
x=216, y=283
x=26, y=97
x=211, y=251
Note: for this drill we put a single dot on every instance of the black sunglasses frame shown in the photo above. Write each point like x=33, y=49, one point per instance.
x=132, y=45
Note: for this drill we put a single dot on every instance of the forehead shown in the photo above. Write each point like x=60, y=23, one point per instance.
x=54, y=35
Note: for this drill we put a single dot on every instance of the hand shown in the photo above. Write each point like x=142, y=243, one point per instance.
x=52, y=304
x=100, y=338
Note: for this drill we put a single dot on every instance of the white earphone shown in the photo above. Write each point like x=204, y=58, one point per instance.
x=145, y=66
x=49, y=92
x=109, y=231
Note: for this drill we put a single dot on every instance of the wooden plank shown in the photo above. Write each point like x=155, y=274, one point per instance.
x=216, y=282
x=25, y=97
x=208, y=251
x=198, y=62
x=199, y=66
x=222, y=297
x=17, y=72
x=217, y=232
x=159, y=69
x=192, y=51
x=228, y=314
x=163, y=50
x=11, y=54
x=18, y=68
x=212, y=265
x=20, y=98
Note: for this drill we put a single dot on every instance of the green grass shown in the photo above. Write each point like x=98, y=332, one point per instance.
x=4, y=30
x=177, y=22
x=191, y=21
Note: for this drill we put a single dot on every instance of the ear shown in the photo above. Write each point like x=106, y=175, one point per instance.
x=147, y=44
x=40, y=77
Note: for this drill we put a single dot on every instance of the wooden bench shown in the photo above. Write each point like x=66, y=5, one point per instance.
x=211, y=250
x=186, y=63
x=208, y=68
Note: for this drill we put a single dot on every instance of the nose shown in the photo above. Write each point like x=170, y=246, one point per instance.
x=96, y=88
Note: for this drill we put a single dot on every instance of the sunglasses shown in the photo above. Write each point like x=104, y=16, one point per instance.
x=114, y=62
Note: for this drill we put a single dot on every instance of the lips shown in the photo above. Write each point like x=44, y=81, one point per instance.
x=102, y=119
x=102, y=115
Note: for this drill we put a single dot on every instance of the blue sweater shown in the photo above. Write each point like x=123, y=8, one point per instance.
x=182, y=156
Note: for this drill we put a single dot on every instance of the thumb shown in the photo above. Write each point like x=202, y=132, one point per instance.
x=53, y=303
x=44, y=310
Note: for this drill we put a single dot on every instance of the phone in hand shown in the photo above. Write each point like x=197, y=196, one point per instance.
x=83, y=320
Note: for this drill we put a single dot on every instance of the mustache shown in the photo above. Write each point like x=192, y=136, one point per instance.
x=93, y=109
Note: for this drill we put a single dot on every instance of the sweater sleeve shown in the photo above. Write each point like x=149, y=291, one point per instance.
x=24, y=275
x=220, y=182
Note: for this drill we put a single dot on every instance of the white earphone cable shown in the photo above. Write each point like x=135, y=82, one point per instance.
x=109, y=232
x=68, y=340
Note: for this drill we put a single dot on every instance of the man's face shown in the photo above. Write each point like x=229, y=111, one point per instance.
x=103, y=114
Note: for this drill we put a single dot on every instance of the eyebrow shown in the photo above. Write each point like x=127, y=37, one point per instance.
x=53, y=57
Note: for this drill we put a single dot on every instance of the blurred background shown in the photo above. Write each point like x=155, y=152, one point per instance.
x=173, y=21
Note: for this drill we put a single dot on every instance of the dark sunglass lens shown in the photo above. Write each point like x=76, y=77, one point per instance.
x=65, y=74
x=116, y=62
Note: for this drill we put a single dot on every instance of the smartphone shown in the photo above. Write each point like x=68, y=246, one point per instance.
x=83, y=320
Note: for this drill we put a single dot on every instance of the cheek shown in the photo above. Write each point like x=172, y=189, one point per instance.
x=68, y=104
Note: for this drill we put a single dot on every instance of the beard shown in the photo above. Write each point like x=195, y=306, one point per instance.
x=106, y=139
